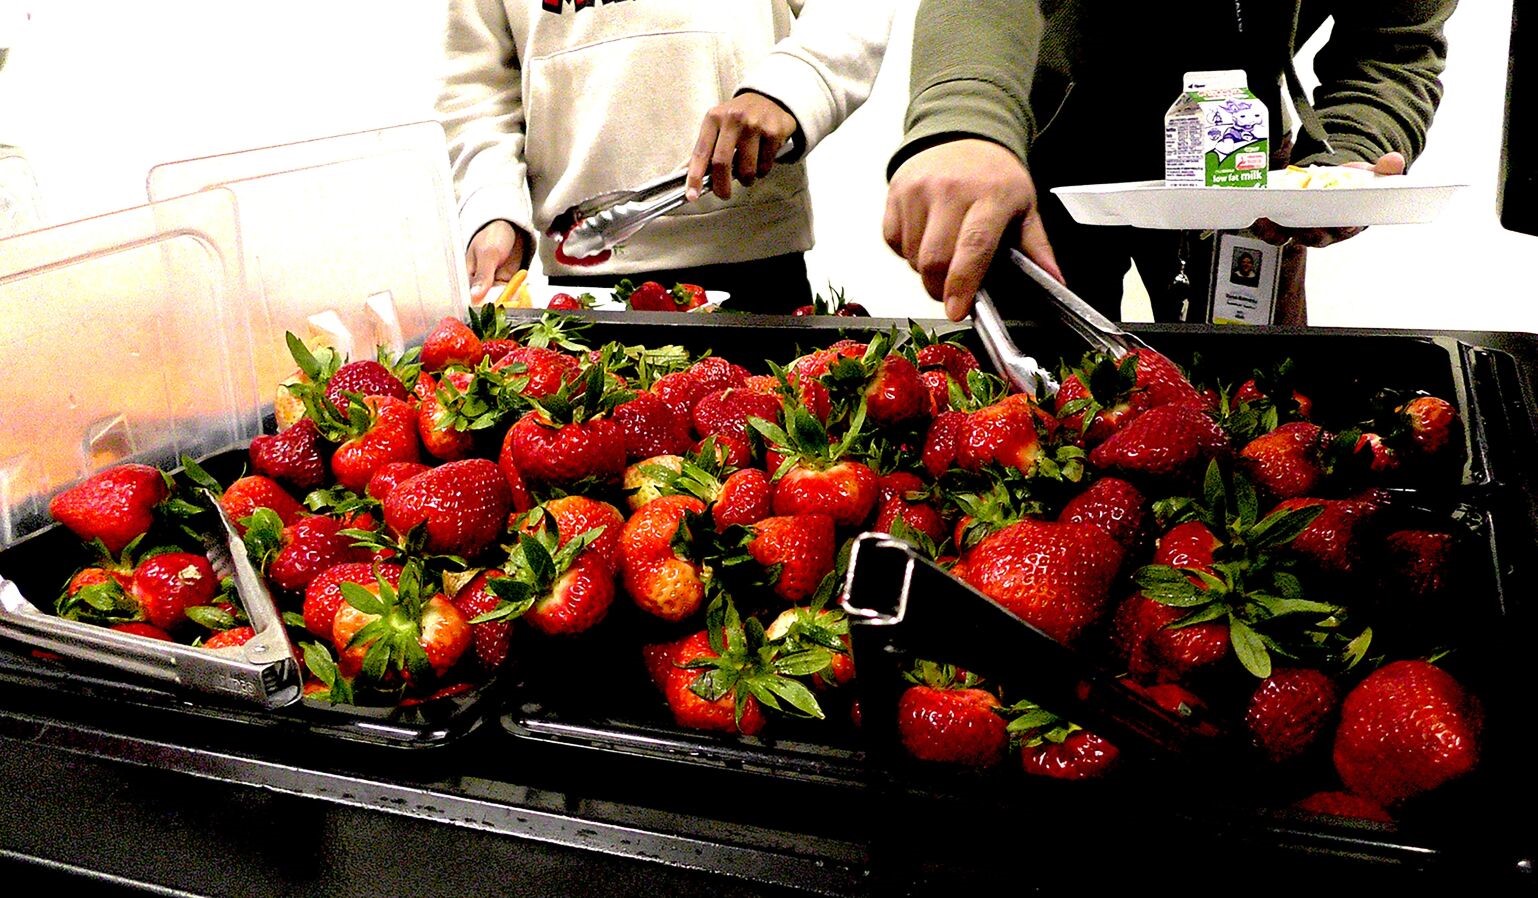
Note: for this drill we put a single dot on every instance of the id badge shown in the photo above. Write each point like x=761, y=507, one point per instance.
x=1246, y=272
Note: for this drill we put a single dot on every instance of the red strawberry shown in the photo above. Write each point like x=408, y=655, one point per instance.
x=1145, y=639
x=938, y=384
x=324, y=594
x=249, y=493
x=1287, y=462
x=391, y=475
x=1165, y=441
x=435, y=420
x=1430, y=421
x=688, y=296
x=956, y=361
x=1344, y=804
x=577, y=599
x=115, y=506
x=309, y=546
x=452, y=342
x=892, y=504
x=694, y=711
x=291, y=456
x=941, y=442
x=715, y=373
x=1161, y=379
x=1290, y=712
x=727, y=411
x=567, y=303
x=497, y=348
x=1080, y=755
x=573, y=516
x=490, y=640
x=232, y=637
x=463, y=503
x=165, y=586
x=652, y=428
x=1250, y=392
x=546, y=452
x=658, y=580
x=895, y=394
x=391, y=436
x=545, y=370
x=1331, y=541
x=1104, y=420
x=139, y=628
x=1004, y=434
x=440, y=631
x=1380, y=456
x=648, y=296
x=1055, y=576
x=365, y=378
x=801, y=546
x=845, y=491
x=746, y=497
x=681, y=390
x=810, y=393
x=1417, y=561
x=1188, y=545
x=952, y=725
x=1113, y=505
x=732, y=450
x=1406, y=729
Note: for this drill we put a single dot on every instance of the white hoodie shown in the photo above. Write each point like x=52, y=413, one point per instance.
x=549, y=102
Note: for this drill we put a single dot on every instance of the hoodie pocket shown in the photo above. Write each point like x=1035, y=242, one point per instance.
x=613, y=114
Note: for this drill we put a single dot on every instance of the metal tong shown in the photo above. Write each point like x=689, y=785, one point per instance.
x=261, y=672
x=605, y=221
x=1097, y=330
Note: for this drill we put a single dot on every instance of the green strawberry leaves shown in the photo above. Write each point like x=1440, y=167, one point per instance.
x=317, y=658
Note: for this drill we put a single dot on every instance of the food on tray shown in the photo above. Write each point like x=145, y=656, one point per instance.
x=430, y=517
x=1322, y=177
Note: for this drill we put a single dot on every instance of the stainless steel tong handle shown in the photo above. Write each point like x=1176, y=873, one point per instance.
x=1099, y=331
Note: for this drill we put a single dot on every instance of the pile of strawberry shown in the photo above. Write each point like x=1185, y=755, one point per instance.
x=1245, y=566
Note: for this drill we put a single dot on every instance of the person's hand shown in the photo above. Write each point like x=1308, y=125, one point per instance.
x=949, y=206
x=495, y=255
x=1271, y=232
x=740, y=137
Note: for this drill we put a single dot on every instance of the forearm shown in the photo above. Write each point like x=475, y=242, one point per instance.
x=1379, y=77
x=480, y=107
x=972, y=66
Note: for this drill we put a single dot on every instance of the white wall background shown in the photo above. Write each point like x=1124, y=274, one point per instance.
x=98, y=92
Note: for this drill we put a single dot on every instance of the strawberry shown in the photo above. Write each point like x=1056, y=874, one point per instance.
x=445, y=435
x=364, y=378
x=727, y=411
x=1287, y=462
x=491, y=640
x=1169, y=441
x=728, y=450
x=228, y=638
x=384, y=430
x=844, y=490
x=746, y=497
x=945, y=718
x=561, y=589
x=1379, y=456
x=249, y=493
x=954, y=359
x=836, y=306
x=565, y=302
x=1430, y=421
x=651, y=428
x=1055, y=576
x=1417, y=562
x=1097, y=399
x=323, y=596
x=391, y=475
x=802, y=630
x=1114, y=506
x=572, y=516
x=941, y=442
x=568, y=436
x=893, y=504
x=1052, y=747
x=681, y=688
x=291, y=456
x=1144, y=635
x=451, y=342
x=895, y=394
x=938, y=384
x=542, y=370
x=648, y=296
x=661, y=582
x=165, y=586
x=1290, y=711
x=116, y=505
x=305, y=548
x=1250, y=393
x=464, y=505
x=688, y=296
x=1406, y=729
x=715, y=373
x=681, y=390
x=1331, y=542
x=810, y=393
x=1004, y=433
x=382, y=628
x=139, y=628
x=496, y=349
x=650, y=479
x=797, y=550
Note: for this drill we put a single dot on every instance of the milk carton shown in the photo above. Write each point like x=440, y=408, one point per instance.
x=1216, y=134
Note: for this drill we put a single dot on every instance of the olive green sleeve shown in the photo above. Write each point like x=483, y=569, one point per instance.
x=1379, y=77
x=972, y=67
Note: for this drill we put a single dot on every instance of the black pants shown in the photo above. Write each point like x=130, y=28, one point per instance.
x=773, y=286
